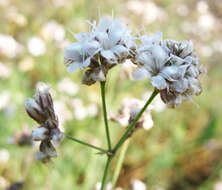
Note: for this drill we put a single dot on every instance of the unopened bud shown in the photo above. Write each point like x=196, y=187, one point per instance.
x=42, y=157
x=40, y=133
x=57, y=136
x=34, y=111
x=43, y=97
x=47, y=148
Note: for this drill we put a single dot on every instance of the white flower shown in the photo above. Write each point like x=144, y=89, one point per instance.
x=105, y=45
x=202, y=7
x=26, y=64
x=9, y=46
x=108, y=186
x=114, y=39
x=68, y=86
x=4, y=155
x=5, y=97
x=92, y=110
x=40, y=133
x=171, y=66
x=207, y=21
x=79, y=54
x=218, y=185
x=36, y=46
x=80, y=112
x=5, y=71
x=152, y=59
x=4, y=3
x=138, y=185
x=61, y=109
x=53, y=30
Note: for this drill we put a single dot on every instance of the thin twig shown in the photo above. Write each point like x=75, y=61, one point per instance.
x=86, y=144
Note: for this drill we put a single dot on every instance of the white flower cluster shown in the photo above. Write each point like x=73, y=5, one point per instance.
x=171, y=66
x=41, y=109
x=103, y=47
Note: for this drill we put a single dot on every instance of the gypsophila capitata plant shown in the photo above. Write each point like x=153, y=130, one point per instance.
x=172, y=67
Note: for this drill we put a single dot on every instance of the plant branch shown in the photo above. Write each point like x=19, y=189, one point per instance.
x=131, y=125
x=87, y=144
x=102, y=86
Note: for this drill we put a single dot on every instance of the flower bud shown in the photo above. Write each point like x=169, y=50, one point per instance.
x=42, y=157
x=40, y=133
x=57, y=136
x=43, y=97
x=48, y=149
x=34, y=111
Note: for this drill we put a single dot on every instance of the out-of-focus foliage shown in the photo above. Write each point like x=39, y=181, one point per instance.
x=182, y=151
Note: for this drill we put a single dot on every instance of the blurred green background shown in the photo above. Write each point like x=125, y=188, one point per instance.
x=183, y=150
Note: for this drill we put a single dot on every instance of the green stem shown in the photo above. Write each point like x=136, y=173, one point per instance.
x=108, y=162
x=131, y=125
x=120, y=163
x=102, y=86
x=87, y=144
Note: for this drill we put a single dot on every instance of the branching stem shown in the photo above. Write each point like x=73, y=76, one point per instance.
x=87, y=144
x=131, y=125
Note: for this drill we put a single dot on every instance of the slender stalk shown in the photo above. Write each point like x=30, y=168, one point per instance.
x=120, y=163
x=108, y=162
x=131, y=125
x=86, y=144
x=102, y=86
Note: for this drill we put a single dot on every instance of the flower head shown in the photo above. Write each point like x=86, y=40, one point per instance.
x=171, y=66
x=105, y=45
x=115, y=40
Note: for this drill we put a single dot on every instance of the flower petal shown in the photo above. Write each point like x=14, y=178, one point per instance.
x=108, y=54
x=85, y=63
x=140, y=74
x=120, y=50
x=72, y=67
x=173, y=73
x=72, y=51
x=159, y=55
x=159, y=82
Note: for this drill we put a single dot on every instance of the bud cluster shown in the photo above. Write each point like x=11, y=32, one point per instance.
x=42, y=111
